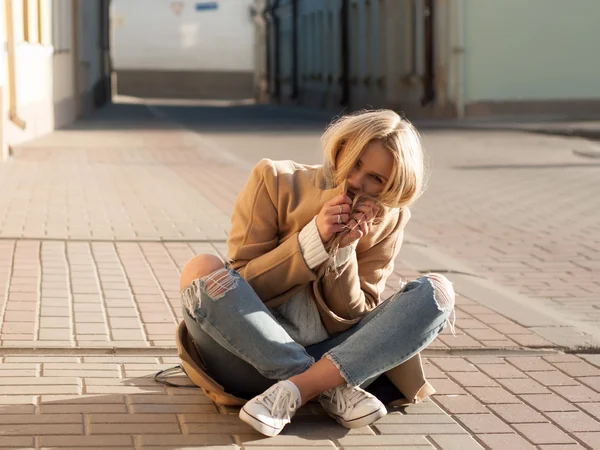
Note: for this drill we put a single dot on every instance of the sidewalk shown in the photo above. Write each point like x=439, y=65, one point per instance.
x=96, y=223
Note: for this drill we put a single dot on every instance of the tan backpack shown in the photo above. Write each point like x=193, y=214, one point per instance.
x=193, y=365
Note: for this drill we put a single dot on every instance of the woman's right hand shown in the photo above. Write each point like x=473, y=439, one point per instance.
x=333, y=216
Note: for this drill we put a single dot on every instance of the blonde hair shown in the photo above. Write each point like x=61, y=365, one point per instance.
x=354, y=132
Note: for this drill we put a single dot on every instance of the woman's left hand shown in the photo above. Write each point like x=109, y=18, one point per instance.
x=360, y=223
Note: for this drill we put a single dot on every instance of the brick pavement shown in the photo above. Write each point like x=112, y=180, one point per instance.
x=112, y=401
x=520, y=209
x=79, y=279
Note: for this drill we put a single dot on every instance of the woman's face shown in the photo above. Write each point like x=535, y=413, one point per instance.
x=372, y=171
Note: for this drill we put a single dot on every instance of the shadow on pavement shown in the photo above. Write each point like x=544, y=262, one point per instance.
x=204, y=118
x=142, y=413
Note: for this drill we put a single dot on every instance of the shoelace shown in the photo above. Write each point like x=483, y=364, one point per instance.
x=344, y=397
x=280, y=402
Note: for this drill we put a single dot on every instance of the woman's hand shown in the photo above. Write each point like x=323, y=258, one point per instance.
x=360, y=223
x=333, y=217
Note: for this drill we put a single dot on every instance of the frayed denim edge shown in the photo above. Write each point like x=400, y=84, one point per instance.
x=338, y=364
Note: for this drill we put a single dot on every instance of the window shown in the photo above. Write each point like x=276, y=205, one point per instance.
x=61, y=25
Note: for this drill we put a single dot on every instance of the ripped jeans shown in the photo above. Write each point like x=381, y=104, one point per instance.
x=246, y=350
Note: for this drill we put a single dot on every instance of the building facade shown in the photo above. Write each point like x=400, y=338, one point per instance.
x=183, y=49
x=435, y=58
x=54, y=68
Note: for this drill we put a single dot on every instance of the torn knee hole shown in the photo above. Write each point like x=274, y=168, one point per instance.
x=443, y=291
x=218, y=283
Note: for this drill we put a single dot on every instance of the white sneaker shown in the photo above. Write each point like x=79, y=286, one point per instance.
x=352, y=407
x=272, y=410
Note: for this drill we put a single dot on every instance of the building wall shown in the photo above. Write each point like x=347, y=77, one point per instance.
x=177, y=48
x=45, y=67
x=490, y=57
x=534, y=50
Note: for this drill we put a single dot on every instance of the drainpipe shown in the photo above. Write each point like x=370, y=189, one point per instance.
x=257, y=11
x=276, y=50
x=294, y=49
x=75, y=50
x=345, y=51
x=10, y=50
x=459, y=60
x=429, y=75
x=273, y=20
x=105, y=62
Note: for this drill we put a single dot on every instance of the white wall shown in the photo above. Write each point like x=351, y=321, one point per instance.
x=531, y=50
x=148, y=35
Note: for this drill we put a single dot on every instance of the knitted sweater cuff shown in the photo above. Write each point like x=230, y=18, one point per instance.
x=311, y=245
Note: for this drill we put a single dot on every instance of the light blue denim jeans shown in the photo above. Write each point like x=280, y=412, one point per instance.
x=246, y=350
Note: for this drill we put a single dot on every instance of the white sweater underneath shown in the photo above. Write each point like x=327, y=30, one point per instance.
x=299, y=316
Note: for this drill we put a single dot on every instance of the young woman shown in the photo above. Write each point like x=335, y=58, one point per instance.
x=297, y=311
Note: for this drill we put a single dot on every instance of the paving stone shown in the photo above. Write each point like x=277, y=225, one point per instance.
x=548, y=402
x=501, y=371
x=396, y=418
x=385, y=447
x=38, y=419
x=455, y=442
x=543, y=433
x=483, y=423
x=425, y=407
x=150, y=439
x=578, y=369
x=472, y=379
x=375, y=441
x=17, y=442
x=517, y=413
x=83, y=408
x=523, y=386
x=41, y=429
x=453, y=364
x=528, y=364
x=561, y=447
x=593, y=382
x=447, y=387
x=493, y=395
x=86, y=441
x=553, y=378
x=134, y=428
x=591, y=408
x=132, y=418
x=574, y=421
x=505, y=441
x=577, y=393
x=456, y=404
x=591, y=439
x=38, y=390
